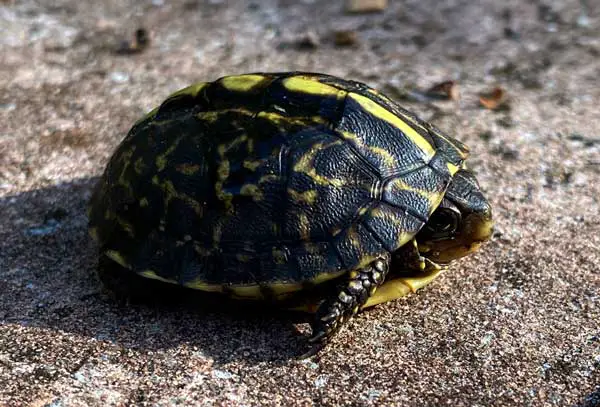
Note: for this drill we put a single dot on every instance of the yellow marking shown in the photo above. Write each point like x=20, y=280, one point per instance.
x=217, y=233
x=308, y=197
x=148, y=115
x=139, y=165
x=432, y=197
x=244, y=258
x=304, y=226
x=170, y=192
x=210, y=116
x=125, y=158
x=268, y=178
x=187, y=168
x=252, y=190
x=462, y=149
x=399, y=287
x=380, y=112
x=222, y=175
x=213, y=115
x=246, y=291
x=323, y=277
x=385, y=156
x=161, y=159
x=279, y=119
x=389, y=218
x=241, y=83
x=452, y=168
x=303, y=84
x=335, y=231
x=151, y=274
x=204, y=286
x=275, y=228
x=279, y=256
x=191, y=90
x=252, y=165
x=201, y=250
x=93, y=233
x=363, y=210
x=281, y=289
x=305, y=165
x=399, y=112
x=126, y=226
x=117, y=258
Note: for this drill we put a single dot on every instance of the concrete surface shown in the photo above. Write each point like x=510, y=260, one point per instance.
x=516, y=324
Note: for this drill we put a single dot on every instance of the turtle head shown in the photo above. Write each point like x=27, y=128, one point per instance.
x=460, y=224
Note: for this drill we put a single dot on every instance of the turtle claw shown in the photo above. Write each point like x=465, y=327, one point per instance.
x=352, y=295
x=316, y=348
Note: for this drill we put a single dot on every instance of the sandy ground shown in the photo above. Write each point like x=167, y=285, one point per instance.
x=516, y=324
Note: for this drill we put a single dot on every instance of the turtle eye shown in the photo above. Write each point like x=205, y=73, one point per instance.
x=443, y=223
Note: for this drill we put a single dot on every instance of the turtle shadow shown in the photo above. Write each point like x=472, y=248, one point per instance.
x=48, y=279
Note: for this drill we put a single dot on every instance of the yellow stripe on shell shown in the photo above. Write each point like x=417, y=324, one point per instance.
x=308, y=197
x=303, y=84
x=306, y=166
x=434, y=198
x=187, y=168
x=252, y=190
x=191, y=90
x=246, y=291
x=117, y=258
x=380, y=112
x=382, y=153
x=323, y=277
x=452, y=168
x=152, y=274
x=161, y=159
x=401, y=237
x=241, y=83
x=204, y=286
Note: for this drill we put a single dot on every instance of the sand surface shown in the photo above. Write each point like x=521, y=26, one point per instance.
x=516, y=324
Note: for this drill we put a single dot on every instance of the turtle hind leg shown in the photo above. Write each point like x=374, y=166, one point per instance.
x=351, y=296
x=126, y=287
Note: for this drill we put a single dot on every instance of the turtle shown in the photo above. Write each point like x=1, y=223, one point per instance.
x=292, y=188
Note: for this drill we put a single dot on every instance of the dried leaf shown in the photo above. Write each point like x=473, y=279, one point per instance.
x=139, y=43
x=447, y=90
x=364, y=6
x=345, y=38
x=494, y=99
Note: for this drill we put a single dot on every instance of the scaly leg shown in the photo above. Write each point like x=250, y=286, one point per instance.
x=351, y=296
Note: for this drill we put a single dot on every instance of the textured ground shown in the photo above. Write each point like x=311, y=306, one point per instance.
x=516, y=324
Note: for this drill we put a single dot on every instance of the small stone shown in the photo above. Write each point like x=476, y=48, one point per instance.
x=222, y=374
x=119, y=77
x=309, y=41
x=321, y=381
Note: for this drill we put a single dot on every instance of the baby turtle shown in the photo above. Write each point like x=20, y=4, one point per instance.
x=272, y=186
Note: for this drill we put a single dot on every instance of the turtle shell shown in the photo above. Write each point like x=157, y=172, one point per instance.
x=261, y=184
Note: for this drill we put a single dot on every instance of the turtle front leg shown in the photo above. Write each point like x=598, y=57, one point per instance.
x=351, y=296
